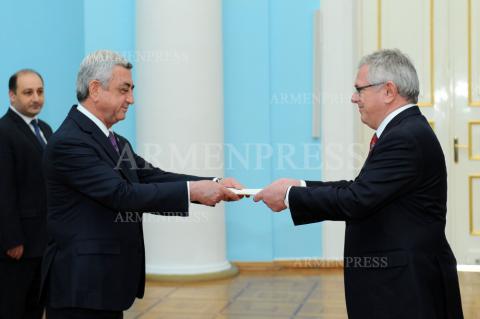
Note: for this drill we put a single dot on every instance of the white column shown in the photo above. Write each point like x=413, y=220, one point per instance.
x=179, y=107
x=339, y=118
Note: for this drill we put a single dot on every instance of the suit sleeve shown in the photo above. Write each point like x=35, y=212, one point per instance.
x=147, y=173
x=333, y=184
x=76, y=164
x=11, y=232
x=391, y=171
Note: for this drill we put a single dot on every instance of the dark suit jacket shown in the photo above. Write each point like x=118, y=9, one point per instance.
x=23, y=204
x=398, y=263
x=96, y=257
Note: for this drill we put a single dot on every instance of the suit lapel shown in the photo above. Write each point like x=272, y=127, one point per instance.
x=413, y=111
x=126, y=153
x=119, y=162
x=88, y=126
x=23, y=127
x=45, y=129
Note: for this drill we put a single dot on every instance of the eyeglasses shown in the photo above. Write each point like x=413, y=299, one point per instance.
x=359, y=89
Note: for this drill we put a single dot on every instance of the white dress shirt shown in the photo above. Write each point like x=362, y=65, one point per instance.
x=390, y=117
x=94, y=119
x=28, y=120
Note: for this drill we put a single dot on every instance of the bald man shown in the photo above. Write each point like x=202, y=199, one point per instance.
x=22, y=197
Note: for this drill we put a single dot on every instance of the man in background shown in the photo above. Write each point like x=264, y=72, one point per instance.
x=95, y=263
x=23, y=204
x=398, y=263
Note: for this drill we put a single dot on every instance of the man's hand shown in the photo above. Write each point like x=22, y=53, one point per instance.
x=274, y=194
x=15, y=252
x=231, y=182
x=210, y=193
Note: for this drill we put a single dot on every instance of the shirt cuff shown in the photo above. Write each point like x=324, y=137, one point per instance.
x=302, y=184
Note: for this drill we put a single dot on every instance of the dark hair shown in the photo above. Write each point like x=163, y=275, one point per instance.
x=12, y=82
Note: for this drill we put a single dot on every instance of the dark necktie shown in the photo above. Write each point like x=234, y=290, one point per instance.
x=113, y=141
x=373, y=141
x=38, y=134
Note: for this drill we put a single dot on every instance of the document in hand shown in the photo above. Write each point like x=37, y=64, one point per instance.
x=245, y=191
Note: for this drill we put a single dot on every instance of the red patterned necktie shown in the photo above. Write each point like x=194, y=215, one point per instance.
x=373, y=141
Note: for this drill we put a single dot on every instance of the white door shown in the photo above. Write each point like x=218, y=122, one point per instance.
x=465, y=128
x=442, y=37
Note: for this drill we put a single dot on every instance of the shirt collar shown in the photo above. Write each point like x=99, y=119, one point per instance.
x=82, y=109
x=390, y=117
x=27, y=119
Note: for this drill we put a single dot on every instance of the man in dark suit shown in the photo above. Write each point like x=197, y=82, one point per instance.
x=97, y=190
x=398, y=263
x=23, y=205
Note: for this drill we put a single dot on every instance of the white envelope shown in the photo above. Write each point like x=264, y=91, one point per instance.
x=245, y=191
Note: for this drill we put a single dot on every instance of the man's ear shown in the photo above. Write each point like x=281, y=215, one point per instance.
x=94, y=89
x=391, y=91
x=12, y=96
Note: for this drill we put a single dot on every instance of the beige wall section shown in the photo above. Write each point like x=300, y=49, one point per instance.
x=441, y=38
x=465, y=117
x=179, y=107
x=342, y=153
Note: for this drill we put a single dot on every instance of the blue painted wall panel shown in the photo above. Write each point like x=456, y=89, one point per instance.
x=48, y=37
x=247, y=121
x=291, y=43
x=110, y=24
x=267, y=85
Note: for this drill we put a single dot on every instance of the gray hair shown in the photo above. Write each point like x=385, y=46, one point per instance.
x=98, y=66
x=393, y=65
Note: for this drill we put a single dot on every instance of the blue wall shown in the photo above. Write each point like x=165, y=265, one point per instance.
x=267, y=83
x=110, y=24
x=48, y=37
x=53, y=36
x=267, y=87
x=247, y=122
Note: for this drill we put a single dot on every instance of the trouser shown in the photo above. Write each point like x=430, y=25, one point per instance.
x=19, y=289
x=80, y=313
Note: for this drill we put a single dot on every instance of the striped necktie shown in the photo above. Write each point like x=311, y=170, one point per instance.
x=113, y=141
x=38, y=134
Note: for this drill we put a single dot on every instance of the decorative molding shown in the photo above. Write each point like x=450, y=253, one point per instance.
x=301, y=263
x=471, y=156
x=228, y=273
x=473, y=231
x=471, y=102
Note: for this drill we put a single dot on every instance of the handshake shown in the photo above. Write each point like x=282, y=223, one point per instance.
x=229, y=189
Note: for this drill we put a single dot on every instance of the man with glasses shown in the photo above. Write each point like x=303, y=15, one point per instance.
x=398, y=263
